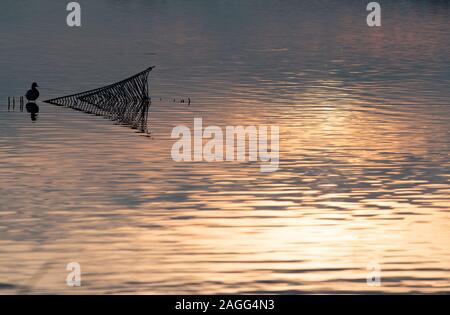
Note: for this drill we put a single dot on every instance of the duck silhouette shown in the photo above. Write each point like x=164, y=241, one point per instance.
x=32, y=94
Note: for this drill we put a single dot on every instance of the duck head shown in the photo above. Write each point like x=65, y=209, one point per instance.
x=34, y=85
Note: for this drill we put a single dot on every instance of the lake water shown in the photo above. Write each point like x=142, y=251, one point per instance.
x=364, y=178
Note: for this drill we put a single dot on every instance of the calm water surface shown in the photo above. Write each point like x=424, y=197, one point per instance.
x=364, y=174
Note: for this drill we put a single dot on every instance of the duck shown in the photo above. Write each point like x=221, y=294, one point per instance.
x=32, y=94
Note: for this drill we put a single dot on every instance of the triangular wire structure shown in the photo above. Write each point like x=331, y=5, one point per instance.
x=127, y=101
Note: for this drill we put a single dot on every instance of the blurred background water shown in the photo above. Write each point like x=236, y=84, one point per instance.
x=364, y=171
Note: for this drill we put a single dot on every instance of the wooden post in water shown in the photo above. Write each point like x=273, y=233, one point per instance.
x=9, y=103
x=14, y=103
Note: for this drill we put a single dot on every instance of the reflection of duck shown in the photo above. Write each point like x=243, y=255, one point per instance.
x=33, y=109
x=32, y=94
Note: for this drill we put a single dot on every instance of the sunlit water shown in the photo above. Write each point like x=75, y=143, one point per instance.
x=364, y=172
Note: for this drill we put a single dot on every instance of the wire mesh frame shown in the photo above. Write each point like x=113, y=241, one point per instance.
x=126, y=101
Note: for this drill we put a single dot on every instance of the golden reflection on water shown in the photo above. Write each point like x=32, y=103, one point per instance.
x=353, y=188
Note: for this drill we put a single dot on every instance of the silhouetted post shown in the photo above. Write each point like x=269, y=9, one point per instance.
x=14, y=103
